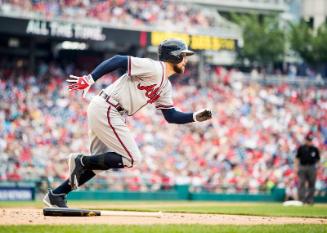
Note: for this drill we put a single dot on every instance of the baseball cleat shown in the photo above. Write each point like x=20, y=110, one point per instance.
x=76, y=169
x=55, y=200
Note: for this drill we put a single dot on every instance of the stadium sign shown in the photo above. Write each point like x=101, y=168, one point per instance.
x=197, y=42
x=65, y=29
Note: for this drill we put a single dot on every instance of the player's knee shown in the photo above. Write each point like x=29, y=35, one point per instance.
x=132, y=161
x=128, y=162
x=137, y=158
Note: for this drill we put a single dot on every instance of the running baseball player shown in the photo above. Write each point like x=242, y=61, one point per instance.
x=111, y=144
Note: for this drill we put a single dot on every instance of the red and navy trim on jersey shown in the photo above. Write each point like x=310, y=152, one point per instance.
x=161, y=106
x=163, y=73
x=117, y=136
x=129, y=66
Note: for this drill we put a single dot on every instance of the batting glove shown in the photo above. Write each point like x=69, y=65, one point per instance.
x=80, y=83
x=202, y=115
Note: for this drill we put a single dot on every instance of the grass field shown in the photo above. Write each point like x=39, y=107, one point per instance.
x=257, y=209
x=167, y=228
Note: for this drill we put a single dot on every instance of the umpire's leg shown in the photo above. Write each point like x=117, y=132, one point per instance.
x=311, y=175
x=301, y=191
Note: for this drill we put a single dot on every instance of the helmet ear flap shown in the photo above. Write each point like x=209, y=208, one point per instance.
x=179, y=58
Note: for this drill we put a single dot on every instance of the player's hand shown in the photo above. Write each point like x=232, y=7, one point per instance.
x=202, y=115
x=80, y=83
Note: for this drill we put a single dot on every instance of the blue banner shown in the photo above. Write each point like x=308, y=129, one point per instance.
x=17, y=193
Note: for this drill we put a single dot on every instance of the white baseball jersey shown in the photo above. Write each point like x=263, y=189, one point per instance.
x=143, y=83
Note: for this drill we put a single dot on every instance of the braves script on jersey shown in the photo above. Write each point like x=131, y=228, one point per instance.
x=144, y=83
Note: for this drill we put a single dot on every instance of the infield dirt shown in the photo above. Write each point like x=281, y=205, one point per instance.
x=14, y=216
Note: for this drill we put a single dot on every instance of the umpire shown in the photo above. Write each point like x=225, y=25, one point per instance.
x=305, y=163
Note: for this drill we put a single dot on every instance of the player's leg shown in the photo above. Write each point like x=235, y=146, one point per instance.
x=57, y=197
x=112, y=145
x=113, y=132
x=109, y=127
x=101, y=159
x=82, y=167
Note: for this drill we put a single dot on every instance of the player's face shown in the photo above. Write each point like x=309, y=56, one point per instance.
x=180, y=67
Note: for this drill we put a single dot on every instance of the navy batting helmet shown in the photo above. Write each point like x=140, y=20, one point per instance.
x=172, y=50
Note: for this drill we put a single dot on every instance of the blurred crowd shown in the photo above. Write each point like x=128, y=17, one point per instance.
x=249, y=145
x=166, y=14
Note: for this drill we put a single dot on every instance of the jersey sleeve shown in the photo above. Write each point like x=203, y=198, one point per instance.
x=142, y=67
x=165, y=100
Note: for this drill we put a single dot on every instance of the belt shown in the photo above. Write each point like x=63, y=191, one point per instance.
x=111, y=101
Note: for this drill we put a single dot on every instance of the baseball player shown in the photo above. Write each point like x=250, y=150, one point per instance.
x=111, y=144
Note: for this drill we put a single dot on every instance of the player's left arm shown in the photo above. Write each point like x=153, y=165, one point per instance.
x=173, y=116
x=165, y=104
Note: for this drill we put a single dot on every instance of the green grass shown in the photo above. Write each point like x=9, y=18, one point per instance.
x=259, y=209
x=263, y=209
x=165, y=228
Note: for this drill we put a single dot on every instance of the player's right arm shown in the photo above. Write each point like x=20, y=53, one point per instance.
x=107, y=66
x=84, y=82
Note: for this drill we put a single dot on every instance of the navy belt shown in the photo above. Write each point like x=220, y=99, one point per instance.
x=111, y=101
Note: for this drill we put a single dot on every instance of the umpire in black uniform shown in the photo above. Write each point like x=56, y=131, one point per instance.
x=307, y=157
